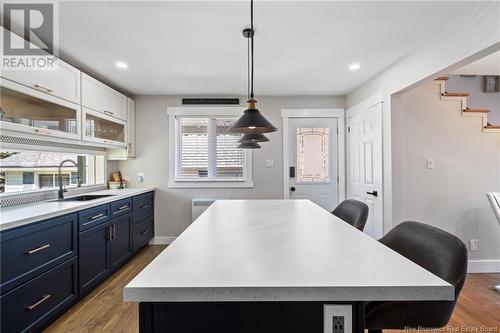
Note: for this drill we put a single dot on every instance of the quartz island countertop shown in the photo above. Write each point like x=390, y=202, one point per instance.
x=19, y=215
x=280, y=250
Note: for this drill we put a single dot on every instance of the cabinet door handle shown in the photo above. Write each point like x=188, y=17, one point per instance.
x=37, y=303
x=114, y=231
x=110, y=230
x=40, y=87
x=109, y=113
x=123, y=207
x=96, y=216
x=144, y=232
x=144, y=206
x=40, y=248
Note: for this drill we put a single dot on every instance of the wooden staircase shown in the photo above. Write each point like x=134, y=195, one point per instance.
x=466, y=111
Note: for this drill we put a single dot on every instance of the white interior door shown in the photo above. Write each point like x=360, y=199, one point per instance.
x=364, y=164
x=313, y=160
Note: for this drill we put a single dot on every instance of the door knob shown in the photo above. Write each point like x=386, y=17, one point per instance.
x=374, y=193
x=292, y=189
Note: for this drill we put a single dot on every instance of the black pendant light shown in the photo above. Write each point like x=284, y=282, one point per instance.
x=249, y=145
x=253, y=138
x=252, y=121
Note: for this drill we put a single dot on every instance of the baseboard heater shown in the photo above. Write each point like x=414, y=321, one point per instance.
x=198, y=206
x=210, y=101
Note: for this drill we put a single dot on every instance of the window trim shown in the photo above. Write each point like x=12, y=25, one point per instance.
x=173, y=125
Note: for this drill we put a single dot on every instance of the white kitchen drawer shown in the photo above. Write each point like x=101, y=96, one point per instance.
x=63, y=81
x=99, y=97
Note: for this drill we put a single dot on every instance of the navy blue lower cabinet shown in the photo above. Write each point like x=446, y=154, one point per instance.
x=142, y=233
x=28, y=251
x=120, y=240
x=29, y=307
x=47, y=266
x=93, y=256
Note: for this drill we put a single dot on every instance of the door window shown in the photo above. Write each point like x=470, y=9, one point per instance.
x=313, y=155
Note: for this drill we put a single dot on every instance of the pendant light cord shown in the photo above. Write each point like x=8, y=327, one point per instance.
x=251, y=43
x=248, y=68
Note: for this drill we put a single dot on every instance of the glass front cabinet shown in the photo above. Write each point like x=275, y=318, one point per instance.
x=102, y=128
x=27, y=110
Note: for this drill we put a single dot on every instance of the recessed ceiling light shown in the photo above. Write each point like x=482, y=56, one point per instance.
x=354, y=67
x=121, y=64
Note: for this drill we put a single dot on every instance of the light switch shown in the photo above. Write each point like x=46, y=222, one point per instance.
x=431, y=163
x=269, y=163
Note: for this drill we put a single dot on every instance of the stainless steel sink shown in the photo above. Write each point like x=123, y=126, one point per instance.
x=87, y=197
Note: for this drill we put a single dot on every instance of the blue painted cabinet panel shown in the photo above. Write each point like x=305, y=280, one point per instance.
x=121, y=240
x=31, y=250
x=28, y=307
x=121, y=207
x=143, y=206
x=93, y=216
x=93, y=256
x=143, y=232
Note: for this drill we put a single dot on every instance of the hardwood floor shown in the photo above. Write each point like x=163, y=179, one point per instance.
x=103, y=310
x=477, y=311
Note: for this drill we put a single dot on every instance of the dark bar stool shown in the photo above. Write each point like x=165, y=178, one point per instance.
x=353, y=212
x=437, y=251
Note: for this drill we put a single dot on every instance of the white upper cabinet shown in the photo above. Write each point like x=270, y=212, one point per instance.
x=99, y=97
x=130, y=127
x=63, y=81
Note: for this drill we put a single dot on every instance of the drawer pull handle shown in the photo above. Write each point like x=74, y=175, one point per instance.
x=96, y=216
x=34, y=305
x=109, y=113
x=144, y=232
x=144, y=206
x=123, y=207
x=43, y=247
x=40, y=87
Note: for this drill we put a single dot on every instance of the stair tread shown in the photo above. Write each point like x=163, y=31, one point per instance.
x=477, y=110
x=456, y=94
x=441, y=78
x=492, y=126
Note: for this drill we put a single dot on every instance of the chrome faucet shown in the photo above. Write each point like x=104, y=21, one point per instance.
x=61, y=190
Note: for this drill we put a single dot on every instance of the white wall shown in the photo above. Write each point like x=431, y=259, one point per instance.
x=477, y=98
x=453, y=195
x=471, y=38
x=173, y=206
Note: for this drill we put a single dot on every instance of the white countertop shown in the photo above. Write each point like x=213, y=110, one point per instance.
x=16, y=216
x=280, y=250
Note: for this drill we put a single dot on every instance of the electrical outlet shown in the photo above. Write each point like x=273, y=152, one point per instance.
x=141, y=176
x=338, y=324
x=473, y=245
x=337, y=318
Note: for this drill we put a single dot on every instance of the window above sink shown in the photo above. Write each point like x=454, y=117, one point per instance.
x=30, y=171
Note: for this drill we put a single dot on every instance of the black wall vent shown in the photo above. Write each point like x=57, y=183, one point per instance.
x=210, y=101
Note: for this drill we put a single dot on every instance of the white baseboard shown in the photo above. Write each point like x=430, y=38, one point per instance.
x=162, y=240
x=483, y=266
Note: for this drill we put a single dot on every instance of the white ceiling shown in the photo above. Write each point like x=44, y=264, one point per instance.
x=196, y=48
x=489, y=65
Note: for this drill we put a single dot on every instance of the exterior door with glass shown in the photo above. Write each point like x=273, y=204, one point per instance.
x=313, y=160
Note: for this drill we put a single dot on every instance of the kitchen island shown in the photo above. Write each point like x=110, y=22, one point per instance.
x=273, y=266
